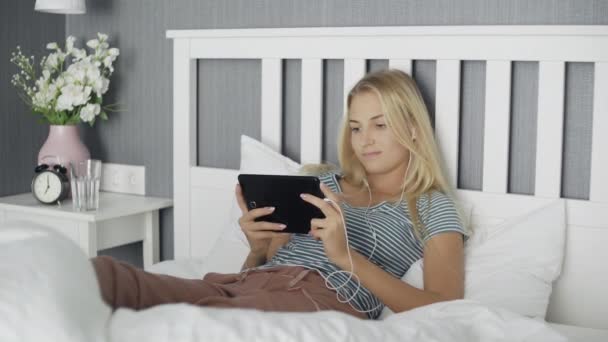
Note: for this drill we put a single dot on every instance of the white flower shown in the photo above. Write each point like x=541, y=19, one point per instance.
x=42, y=82
x=113, y=52
x=105, y=85
x=92, y=73
x=52, y=61
x=93, y=43
x=78, y=71
x=100, y=86
x=65, y=94
x=72, y=95
x=79, y=53
x=45, y=95
x=64, y=102
x=108, y=61
x=69, y=44
x=59, y=82
x=40, y=99
x=88, y=112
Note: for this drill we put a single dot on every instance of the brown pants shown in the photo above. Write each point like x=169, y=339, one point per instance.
x=283, y=288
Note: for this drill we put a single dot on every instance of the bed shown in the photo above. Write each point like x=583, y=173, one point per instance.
x=551, y=288
x=203, y=191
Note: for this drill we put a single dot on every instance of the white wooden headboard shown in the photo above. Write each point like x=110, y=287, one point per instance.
x=580, y=296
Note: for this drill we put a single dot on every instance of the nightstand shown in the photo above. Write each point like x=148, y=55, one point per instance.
x=120, y=219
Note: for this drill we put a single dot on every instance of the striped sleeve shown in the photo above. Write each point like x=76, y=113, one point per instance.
x=438, y=215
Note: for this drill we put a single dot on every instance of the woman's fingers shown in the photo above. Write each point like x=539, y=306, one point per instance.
x=329, y=194
x=263, y=225
x=316, y=232
x=323, y=205
x=317, y=228
x=257, y=212
x=317, y=223
x=264, y=234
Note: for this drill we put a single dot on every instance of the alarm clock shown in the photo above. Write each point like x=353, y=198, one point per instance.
x=50, y=185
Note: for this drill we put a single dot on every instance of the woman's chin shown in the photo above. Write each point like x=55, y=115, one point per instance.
x=373, y=168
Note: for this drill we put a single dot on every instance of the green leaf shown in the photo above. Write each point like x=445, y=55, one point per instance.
x=103, y=115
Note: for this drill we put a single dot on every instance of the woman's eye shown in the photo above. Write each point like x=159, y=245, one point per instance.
x=354, y=129
x=381, y=125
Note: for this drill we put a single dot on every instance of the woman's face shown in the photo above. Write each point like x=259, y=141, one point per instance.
x=372, y=140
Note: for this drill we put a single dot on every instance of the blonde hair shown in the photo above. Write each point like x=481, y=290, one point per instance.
x=408, y=118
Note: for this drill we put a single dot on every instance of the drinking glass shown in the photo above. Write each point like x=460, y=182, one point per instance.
x=85, y=177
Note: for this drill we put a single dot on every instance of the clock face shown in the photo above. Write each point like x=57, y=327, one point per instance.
x=47, y=187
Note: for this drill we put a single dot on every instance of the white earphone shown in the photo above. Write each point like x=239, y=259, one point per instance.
x=351, y=273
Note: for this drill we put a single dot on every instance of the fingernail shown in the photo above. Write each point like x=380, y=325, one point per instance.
x=282, y=226
x=270, y=208
x=302, y=195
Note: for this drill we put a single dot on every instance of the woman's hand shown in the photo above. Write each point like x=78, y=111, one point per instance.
x=330, y=229
x=259, y=234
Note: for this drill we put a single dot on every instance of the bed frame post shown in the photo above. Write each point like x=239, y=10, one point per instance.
x=184, y=142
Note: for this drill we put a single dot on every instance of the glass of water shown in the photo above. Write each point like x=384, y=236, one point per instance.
x=85, y=177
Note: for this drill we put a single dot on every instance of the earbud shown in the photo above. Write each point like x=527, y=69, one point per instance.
x=414, y=134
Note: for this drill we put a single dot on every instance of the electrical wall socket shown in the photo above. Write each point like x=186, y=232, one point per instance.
x=129, y=179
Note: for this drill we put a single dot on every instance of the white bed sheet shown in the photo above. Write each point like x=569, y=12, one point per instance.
x=576, y=334
x=461, y=320
x=196, y=268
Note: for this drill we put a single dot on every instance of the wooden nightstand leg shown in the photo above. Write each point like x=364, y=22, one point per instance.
x=151, y=247
x=87, y=233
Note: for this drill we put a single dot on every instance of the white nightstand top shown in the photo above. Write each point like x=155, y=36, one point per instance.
x=111, y=205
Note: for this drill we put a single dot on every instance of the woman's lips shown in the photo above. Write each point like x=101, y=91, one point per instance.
x=371, y=154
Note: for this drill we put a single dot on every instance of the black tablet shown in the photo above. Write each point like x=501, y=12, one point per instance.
x=283, y=193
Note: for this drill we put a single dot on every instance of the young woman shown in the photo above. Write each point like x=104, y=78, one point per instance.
x=390, y=206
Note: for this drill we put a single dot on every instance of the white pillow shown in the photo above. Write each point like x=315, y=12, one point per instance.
x=48, y=288
x=258, y=158
x=231, y=249
x=514, y=264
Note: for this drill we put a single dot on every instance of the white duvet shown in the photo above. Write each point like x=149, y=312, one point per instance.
x=461, y=320
x=48, y=292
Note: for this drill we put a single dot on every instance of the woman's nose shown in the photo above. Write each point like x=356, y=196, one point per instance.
x=368, y=138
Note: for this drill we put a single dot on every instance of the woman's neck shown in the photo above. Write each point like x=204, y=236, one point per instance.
x=388, y=184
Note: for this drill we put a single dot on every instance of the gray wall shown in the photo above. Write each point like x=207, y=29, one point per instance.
x=143, y=84
x=20, y=135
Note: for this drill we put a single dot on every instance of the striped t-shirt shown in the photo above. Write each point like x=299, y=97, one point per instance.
x=396, y=250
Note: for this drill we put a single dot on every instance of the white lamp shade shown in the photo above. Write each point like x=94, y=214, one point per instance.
x=61, y=6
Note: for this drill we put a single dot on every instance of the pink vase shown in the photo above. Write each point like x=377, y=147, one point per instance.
x=63, y=146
